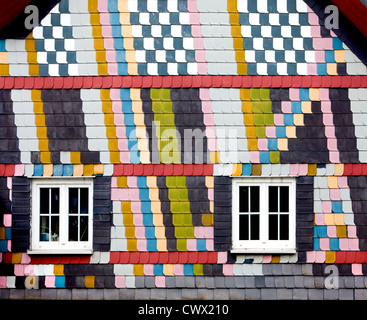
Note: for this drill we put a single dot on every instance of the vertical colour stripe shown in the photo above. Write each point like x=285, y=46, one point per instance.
x=197, y=37
x=40, y=121
x=98, y=38
x=110, y=126
x=157, y=213
x=128, y=40
x=164, y=119
x=147, y=213
x=237, y=37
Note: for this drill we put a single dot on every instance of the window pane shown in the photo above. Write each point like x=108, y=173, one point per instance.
x=84, y=228
x=73, y=200
x=73, y=228
x=54, y=228
x=244, y=227
x=284, y=227
x=273, y=199
x=44, y=230
x=284, y=199
x=255, y=227
x=44, y=200
x=55, y=200
x=273, y=227
x=244, y=199
x=255, y=199
x=84, y=200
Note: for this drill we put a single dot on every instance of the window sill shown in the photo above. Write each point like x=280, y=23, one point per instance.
x=62, y=251
x=264, y=250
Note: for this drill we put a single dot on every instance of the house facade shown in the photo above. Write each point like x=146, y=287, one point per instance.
x=184, y=149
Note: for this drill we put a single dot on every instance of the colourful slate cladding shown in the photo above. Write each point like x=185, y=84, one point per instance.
x=162, y=102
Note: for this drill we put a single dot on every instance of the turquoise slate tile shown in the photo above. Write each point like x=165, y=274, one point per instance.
x=201, y=244
x=58, y=170
x=320, y=231
x=246, y=169
x=68, y=170
x=316, y=244
x=304, y=95
x=3, y=245
x=60, y=281
x=337, y=44
x=158, y=270
x=264, y=156
x=288, y=119
x=329, y=56
x=334, y=244
x=272, y=144
x=337, y=206
x=8, y=233
x=280, y=132
x=322, y=69
x=297, y=106
x=188, y=269
x=38, y=170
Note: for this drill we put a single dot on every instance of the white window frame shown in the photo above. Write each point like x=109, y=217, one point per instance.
x=63, y=246
x=263, y=245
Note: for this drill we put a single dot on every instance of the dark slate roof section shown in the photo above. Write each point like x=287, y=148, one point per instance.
x=304, y=213
x=222, y=213
x=344, y=127
x=347, y=31
x=357, y=186
x=102, y=218
x=9, y=144
x=21, y=201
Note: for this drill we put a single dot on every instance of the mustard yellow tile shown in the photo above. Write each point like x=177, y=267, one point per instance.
x=245, y=95
x=126, y=207
x=131, y=245
x=312, y=169
x=252, y=144
x=214, y=157
x=275, y=259
x=32, y=57
x=45, y=157
x=256, y=169
x=238, y=45
x=78, y=169
x=290, y=131
x=138, y=269
x=248, y=120
x=4, y=70
x=330, y=256
x=341, y=231
x=88, y=170
x=242, y=68
x=75, y=157
x=42, y=133
x=121, y=181
x=237, y=169
x=306, y=107
x=47, y=170
x=298, y=119
x=128, y=219
x=207, y=219
x=89, y=281
x=232, y=6
x=43, y=144
x=314, y=94
x=33, y=70
x=38, y=107
x=114, y=156
x=109, y=121
x=251, y=131
x=40, y=121
x=282, y=144
x=16, y=258
x=58, y=269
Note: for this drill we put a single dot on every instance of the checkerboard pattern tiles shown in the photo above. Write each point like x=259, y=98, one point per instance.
x=284, y=38
x=162, y=38
x=55, y=44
